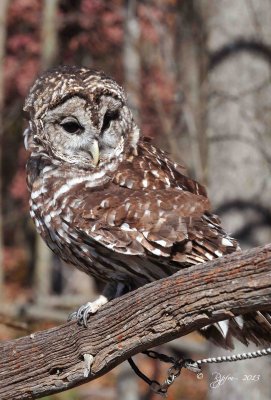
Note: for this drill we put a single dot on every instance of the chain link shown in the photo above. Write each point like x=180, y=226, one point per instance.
x=195, y=366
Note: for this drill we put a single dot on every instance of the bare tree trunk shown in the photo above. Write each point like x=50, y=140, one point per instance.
x=43, y=270
x=127, y=385
x=164, y=57
x=239, y=145
x=3, y=28
x=131, y=56
x=192, y=71
x=49, y=33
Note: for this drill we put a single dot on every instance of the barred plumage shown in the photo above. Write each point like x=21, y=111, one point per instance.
x=107, y=201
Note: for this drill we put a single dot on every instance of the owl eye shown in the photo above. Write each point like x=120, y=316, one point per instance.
x=108, y=117
x=71, y=125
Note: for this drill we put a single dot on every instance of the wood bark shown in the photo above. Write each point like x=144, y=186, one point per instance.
x=60, y=358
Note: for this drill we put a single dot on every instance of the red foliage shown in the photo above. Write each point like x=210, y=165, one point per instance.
x=103, y=24
x=150, y=17
x=25, y=12
x=20, y=76
x=23, y=46
x=19, y=44
x=92, y=7
x=18, y=189
x=14, y=258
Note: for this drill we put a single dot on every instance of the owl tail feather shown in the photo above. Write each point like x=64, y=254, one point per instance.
x=252, y=327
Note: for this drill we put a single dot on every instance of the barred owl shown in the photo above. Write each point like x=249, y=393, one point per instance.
x=107, y=201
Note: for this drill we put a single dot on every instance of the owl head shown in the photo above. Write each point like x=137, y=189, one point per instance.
x=79, y=116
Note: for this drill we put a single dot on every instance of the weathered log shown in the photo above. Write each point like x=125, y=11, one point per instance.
x=68, y=355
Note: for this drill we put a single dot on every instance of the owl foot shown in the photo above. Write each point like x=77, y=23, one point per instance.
x=82, y=314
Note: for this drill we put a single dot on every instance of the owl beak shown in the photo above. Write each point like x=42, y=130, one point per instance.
x=95, y=152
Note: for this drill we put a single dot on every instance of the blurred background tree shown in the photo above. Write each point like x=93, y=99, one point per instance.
x=197, y=73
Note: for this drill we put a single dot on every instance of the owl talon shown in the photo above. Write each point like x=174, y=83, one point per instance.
x=84, y=312
x=72, y=316
x=90, y=308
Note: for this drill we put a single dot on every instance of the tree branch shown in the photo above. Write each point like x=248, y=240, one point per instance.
x=57, y=359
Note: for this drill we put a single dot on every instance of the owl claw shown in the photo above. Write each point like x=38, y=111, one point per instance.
x=82, y=314
x=90, y=308
x=72, y=316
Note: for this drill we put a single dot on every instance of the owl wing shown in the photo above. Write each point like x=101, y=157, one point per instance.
x=132, y=221
x=150, y=168
x=151, y=205
x=165, y=223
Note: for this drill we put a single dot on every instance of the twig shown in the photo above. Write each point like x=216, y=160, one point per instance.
x=21, y=326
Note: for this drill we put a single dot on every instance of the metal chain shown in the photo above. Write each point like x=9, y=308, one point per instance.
x=194, y=366
x=236, y=357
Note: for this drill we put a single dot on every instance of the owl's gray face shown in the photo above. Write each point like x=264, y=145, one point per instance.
x=73, y=136
x=79, y=117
